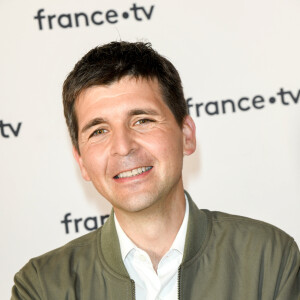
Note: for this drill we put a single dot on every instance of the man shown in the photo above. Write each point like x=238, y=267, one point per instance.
x=130, y=129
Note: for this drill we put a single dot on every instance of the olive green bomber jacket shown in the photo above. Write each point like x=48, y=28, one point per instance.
x=226, y=257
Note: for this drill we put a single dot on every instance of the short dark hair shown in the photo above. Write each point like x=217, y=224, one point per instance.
x=107, y=64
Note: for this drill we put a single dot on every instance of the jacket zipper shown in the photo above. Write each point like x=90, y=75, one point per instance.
x=179, y=278
x=133, y=289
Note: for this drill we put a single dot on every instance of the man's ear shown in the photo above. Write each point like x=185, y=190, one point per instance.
x=189, y=136
x=78, y=158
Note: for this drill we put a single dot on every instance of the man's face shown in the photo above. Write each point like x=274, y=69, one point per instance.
x=131, y=146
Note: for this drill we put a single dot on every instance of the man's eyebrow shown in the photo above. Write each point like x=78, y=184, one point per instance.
x=142, y=111
x=92, y=123
x=133, y=112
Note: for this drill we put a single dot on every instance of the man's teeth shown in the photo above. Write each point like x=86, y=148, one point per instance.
x=133, y=172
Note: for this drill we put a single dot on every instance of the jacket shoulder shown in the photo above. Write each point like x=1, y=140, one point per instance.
x=255, y=250
x=78, y=246
x=248, y=229
x=57, y=268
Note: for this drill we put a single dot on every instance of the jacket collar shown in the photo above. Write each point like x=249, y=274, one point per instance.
x=199, y=227
x=109, y=247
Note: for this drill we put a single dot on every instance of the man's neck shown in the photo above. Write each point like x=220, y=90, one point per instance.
x=154, y=229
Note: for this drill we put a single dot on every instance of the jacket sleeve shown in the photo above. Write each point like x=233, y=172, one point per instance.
x=289, y=281
x=27, y=286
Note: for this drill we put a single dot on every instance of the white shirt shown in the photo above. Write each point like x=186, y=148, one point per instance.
x=150, y=285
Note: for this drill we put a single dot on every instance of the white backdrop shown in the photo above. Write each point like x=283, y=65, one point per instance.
x=247, y=160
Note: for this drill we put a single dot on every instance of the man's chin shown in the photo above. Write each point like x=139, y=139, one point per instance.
x=137, y=203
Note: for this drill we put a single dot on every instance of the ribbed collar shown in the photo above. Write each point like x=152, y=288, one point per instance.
x=196, y=237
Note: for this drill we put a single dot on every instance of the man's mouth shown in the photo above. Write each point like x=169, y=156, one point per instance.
x=133, y=172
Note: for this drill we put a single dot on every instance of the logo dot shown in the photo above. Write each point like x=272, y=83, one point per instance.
x=272, y=100
x=125, y=15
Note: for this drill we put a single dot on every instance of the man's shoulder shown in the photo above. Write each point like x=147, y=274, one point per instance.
x=248, y=230
x=243, y=221
x=70, y=254
x=52, y=273
x=237, y=233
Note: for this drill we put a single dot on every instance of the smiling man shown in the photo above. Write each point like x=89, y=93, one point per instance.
x=130, y=130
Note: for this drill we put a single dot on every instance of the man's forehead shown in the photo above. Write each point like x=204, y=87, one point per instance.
x=146, y=89
x=127, y=94
x=126, y=82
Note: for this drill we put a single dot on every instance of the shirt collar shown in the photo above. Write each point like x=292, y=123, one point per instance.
x=126, y=245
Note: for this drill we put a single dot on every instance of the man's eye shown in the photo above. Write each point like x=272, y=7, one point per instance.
x=98, y=132
x=143, y=121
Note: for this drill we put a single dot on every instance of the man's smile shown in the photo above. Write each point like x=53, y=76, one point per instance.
x=133, y=172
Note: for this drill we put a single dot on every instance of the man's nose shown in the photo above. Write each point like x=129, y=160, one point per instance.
x=122, y=142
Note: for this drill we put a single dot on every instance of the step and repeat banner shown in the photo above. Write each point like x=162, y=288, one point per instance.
x=240, y=67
